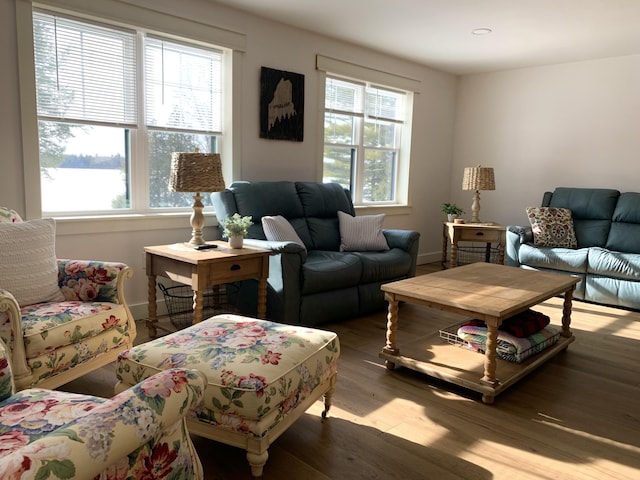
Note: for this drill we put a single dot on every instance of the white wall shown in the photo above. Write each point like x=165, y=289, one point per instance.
x=267, y=44
x=574, y=124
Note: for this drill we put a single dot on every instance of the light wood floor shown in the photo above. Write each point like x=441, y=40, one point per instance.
x=577, y=417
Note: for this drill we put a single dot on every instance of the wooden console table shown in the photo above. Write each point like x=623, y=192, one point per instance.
x=201, y=269
x=485, y=291
x=487, y=233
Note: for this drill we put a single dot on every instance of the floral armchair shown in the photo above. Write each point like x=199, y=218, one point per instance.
x=60, y=319
x=138, y=434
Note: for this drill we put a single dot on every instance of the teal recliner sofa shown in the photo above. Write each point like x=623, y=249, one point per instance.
x=607, y=257
x=316, y=283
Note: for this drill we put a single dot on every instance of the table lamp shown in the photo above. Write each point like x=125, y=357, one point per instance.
x=476, y=179
x=196, y=172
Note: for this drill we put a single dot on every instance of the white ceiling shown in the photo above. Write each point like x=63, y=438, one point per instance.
x=438, y=32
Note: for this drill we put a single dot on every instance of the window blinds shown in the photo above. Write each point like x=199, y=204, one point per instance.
x=85, y=72
x=183, y=87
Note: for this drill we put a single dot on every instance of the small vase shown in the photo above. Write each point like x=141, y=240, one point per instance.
x=236, y=241
x=451, y=217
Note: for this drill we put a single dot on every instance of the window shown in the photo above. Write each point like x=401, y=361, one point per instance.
x=362, y=138
x=367, y=131
x=113, y=104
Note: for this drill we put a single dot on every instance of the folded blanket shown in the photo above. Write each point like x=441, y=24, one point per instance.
x=510, y=348
x=520, y=325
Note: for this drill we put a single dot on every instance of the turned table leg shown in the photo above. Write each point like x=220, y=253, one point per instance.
x=490, y=363
x=566, y=313
x=197, y=306
x=392, y=328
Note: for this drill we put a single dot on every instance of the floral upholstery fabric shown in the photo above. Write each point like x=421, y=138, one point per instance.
x=552, y=227
x=8, y=215
x=92, y=320
x=257, y=371
x=138, y=434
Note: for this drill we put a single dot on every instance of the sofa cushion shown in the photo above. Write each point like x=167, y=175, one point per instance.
x=614, y=264
x=47, y=326
x=259, y=199
x=28, y=266
x=624, y=235
x=361, y=234
x=591, y=209
x=384, y=266
x=552, y=227
x=33, y=413
x=326, y=270
x=567, y=259
x=278, y=229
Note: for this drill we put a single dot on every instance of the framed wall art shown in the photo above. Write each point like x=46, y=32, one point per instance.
x=281, y=105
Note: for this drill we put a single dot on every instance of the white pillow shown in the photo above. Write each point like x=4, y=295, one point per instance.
x=360, y=234
x=278, y=229
x=28, y=266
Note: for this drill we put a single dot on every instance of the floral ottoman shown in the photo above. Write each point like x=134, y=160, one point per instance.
x=262, y=376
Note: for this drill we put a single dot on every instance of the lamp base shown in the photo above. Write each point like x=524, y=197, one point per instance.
x=475, y=208
x=197, y=221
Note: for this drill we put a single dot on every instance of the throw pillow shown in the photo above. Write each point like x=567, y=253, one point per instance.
x=278, y=229
x=359, y=234
x=28, y=266
x=552, y=227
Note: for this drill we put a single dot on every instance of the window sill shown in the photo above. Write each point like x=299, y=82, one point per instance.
x=128, y=223
x=386, y=209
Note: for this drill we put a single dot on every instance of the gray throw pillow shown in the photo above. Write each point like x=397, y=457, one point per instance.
x=360, y=234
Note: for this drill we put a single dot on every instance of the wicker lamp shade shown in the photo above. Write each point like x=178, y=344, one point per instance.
x=478, y=178
x=196, y=172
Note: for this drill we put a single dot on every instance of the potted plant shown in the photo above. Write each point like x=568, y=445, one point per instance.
x=452, y=211
x=235, y=228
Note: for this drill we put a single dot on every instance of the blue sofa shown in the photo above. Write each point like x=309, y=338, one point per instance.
x=318, y=284
x=607, y=257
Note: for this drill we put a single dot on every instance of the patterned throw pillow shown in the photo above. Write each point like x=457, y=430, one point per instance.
x=552, y=227
x=278, y=229
x=361, y=234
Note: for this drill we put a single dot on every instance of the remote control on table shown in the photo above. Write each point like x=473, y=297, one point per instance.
x=206, y=246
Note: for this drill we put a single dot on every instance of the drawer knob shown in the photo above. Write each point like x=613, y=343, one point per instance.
x=480, y=234
x=235, y=266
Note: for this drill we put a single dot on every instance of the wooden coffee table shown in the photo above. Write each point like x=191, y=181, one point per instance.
x=489, y=292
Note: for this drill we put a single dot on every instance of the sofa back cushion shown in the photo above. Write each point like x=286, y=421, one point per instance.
x=624, y=235
x=310, y=207
x=591, y=209
x=321, y=203
x=261, y=199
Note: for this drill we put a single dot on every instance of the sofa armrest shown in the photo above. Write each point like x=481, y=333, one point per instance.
x=525, y=234
x=284, y=288
x=278, y=247
x=516, y=236
x=90, y=280
x=124, y=430
x=407, y=240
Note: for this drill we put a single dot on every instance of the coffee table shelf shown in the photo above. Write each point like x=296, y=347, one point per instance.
x=432, y=356
x=489, y=292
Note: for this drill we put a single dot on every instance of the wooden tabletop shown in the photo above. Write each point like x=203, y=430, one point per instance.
x=494, y=290
x=186, y=253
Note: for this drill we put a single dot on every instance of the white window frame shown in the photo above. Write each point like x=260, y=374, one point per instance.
x=328, y=66
x=125, y=15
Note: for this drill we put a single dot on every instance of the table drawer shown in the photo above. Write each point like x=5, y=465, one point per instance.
x=223, y=271
x=472, y=235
